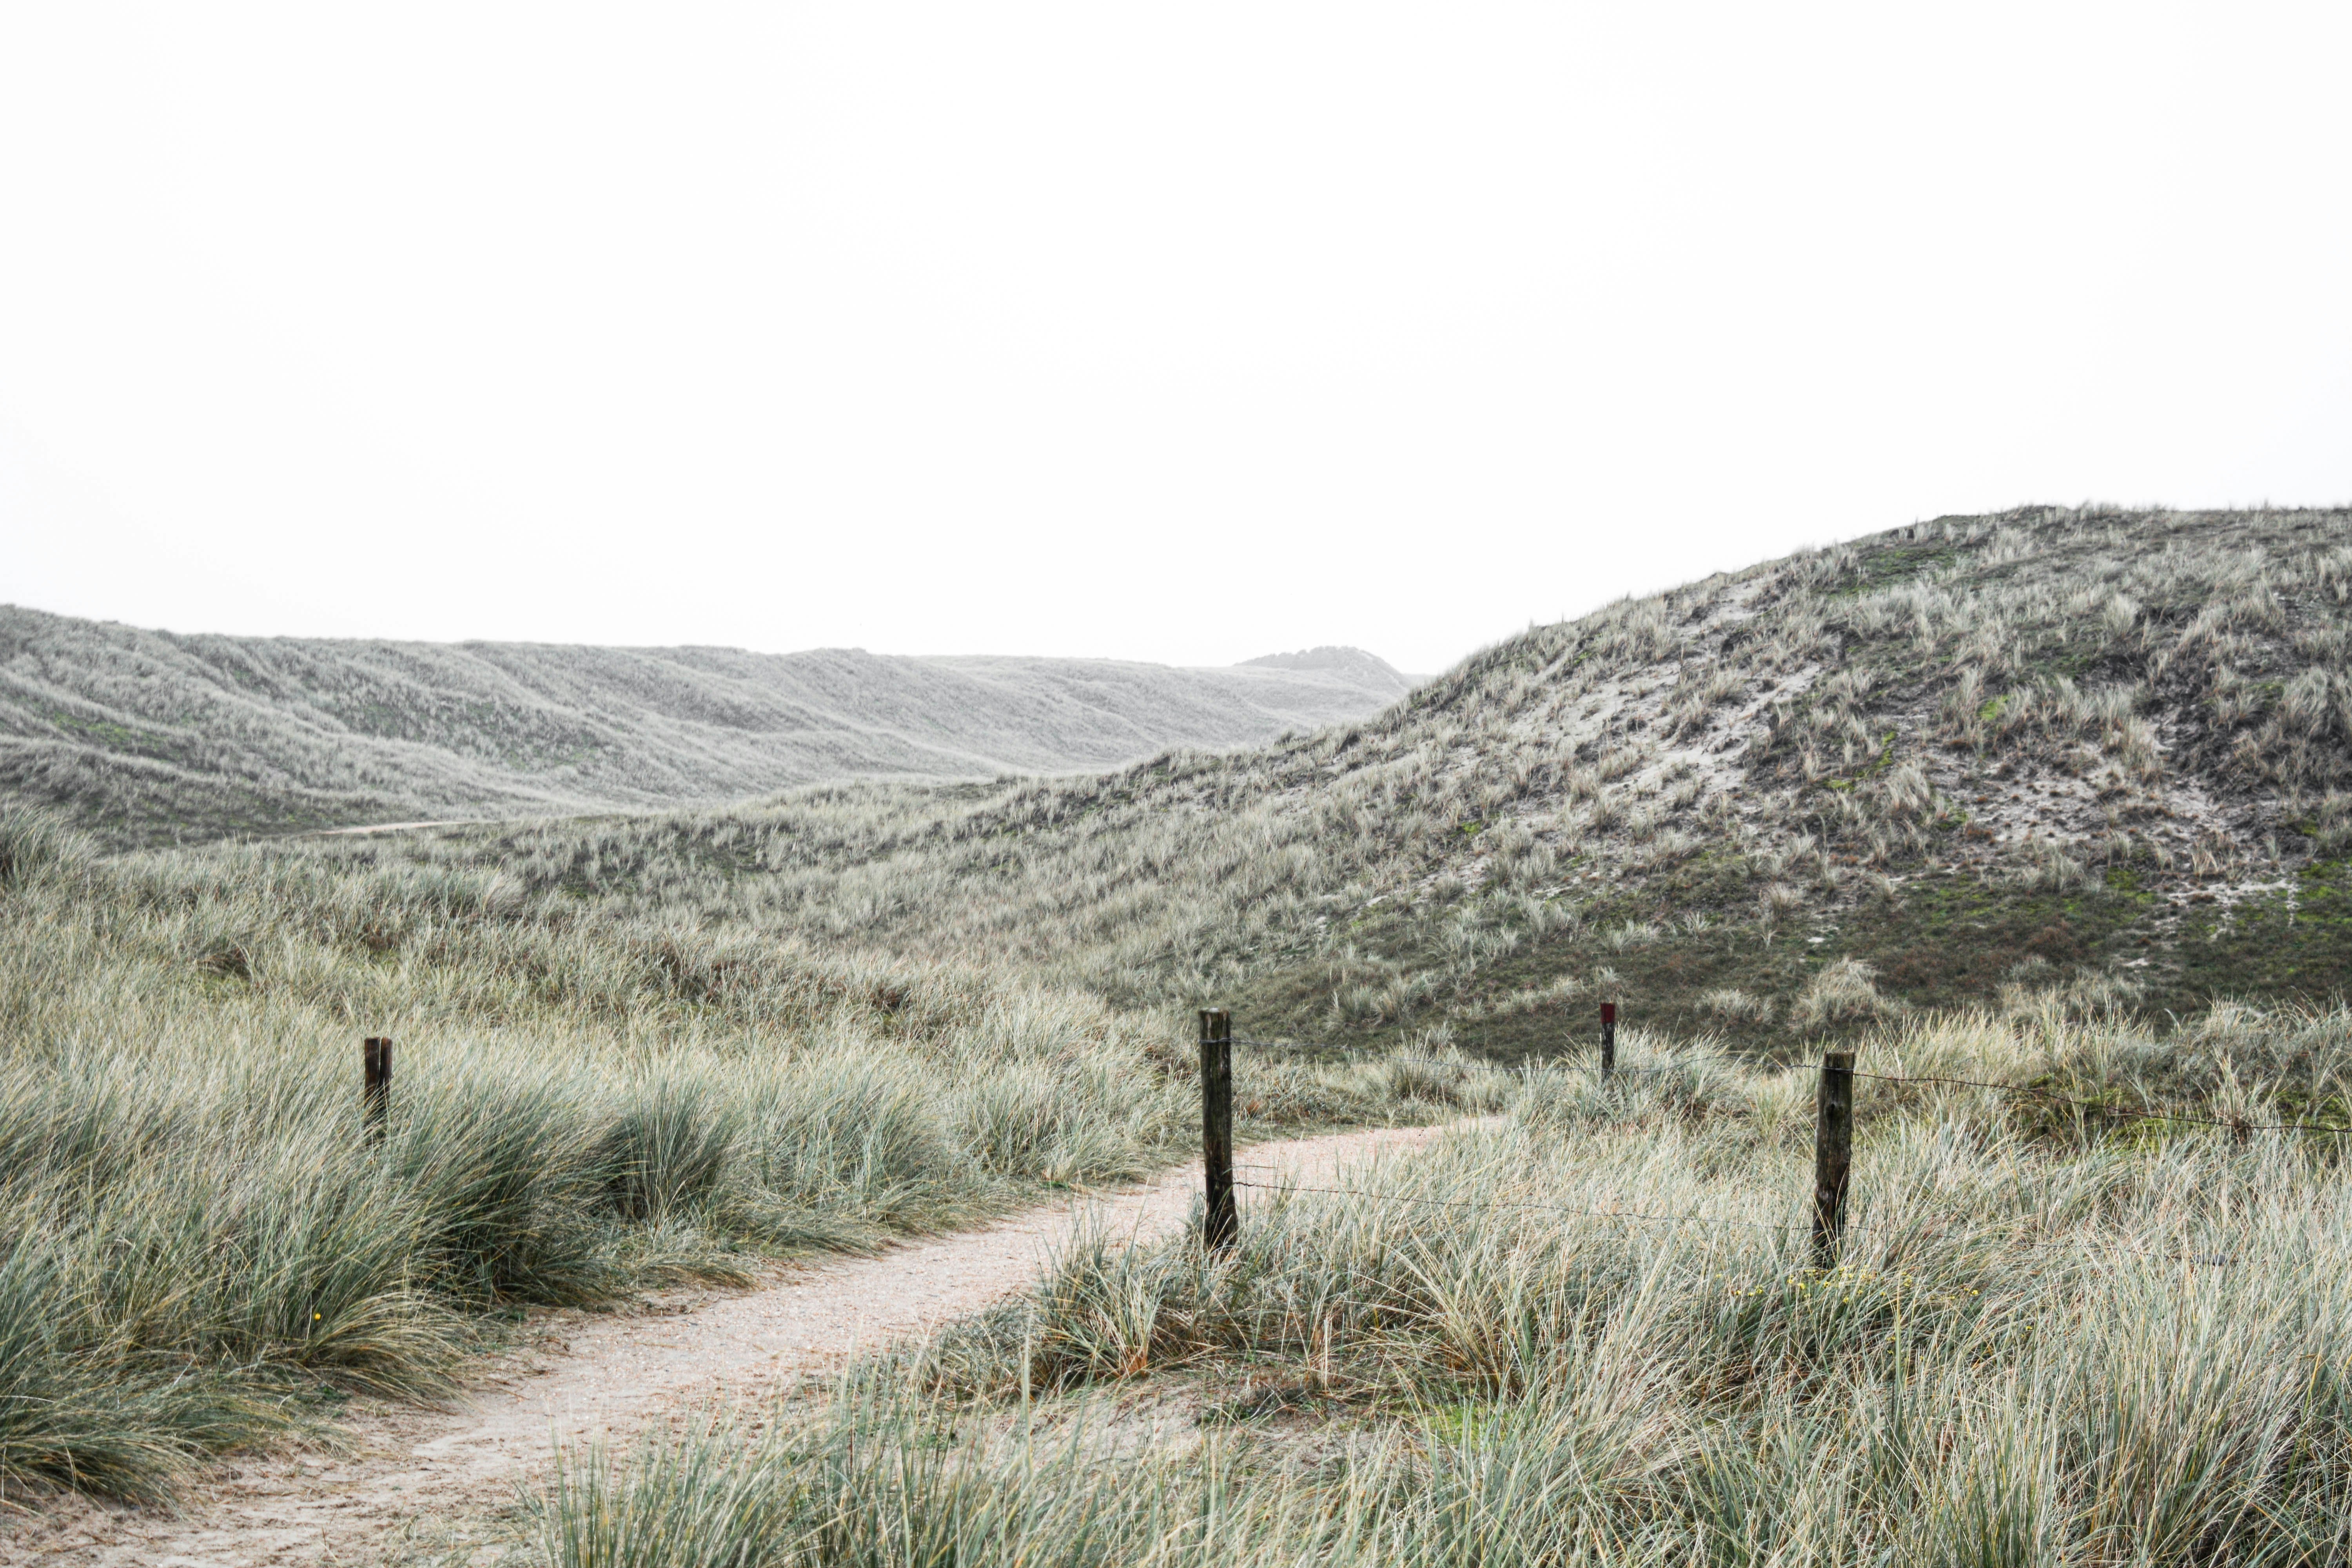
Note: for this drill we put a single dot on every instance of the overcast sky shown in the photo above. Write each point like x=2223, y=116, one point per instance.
x=1183, y=332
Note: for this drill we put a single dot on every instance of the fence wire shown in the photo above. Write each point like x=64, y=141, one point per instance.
x=1384, y=1054
x=1638, y=1216
x=2094, y=1105
x=1512, y=1203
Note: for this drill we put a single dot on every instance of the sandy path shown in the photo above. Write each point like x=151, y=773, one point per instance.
x=414, y=1477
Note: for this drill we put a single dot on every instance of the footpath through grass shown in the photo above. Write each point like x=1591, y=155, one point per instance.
x=2049, y=1338
x=199, y=1251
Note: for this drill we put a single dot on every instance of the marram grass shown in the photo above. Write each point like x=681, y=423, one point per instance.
x=2084, y=740
x=200, y=1249
x=2041, y=1344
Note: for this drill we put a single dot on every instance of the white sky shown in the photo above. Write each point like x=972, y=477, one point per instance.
x=1182, y=333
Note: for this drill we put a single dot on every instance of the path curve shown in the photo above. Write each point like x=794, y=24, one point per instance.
x=413, y=1476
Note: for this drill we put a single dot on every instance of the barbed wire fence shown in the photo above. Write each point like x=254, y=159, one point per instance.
x=1832, y=1141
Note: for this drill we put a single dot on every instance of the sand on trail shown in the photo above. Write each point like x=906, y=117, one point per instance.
x=412, y=1482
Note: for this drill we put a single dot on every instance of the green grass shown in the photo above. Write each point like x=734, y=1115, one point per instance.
x=1966, y=753
x=2297, y=942
x=2041, y=1344
x=153, y=738
x=199, y=1251
x=638, y=1047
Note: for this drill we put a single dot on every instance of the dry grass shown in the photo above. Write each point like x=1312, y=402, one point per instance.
x=154, y=738
x=2048, y=701
x=197, y=1250
x=2042, y=1343
x=643, y=1046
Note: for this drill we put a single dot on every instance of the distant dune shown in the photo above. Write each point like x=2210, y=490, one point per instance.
x=148, y=735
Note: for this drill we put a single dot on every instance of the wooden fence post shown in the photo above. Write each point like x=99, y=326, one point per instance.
x=1832, y=1153
x=375, y=1090
x=1608, y=1038
x=1219, y=1224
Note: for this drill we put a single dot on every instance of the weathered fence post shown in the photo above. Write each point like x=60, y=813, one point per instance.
x=1832, y=1153
x=375, y=1091
x=1219, y=1223
x=1608, y=1038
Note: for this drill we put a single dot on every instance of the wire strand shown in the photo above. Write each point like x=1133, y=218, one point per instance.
x=2205, y=1259
x=1514, y=1203
x=2095, y=1105
x=2045, y=1094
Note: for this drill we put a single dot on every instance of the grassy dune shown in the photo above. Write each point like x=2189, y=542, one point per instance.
x=2053, y=799
x=2047, y=1340
x=2101, y=749
x=198, y=1251
x=149, y=737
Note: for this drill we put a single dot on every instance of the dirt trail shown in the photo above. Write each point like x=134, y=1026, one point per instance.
x=417, y=1477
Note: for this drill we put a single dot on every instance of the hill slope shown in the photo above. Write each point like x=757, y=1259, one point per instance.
x=2096, y=748
x=144, y=734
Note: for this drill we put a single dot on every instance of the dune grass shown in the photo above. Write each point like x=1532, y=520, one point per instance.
x=154, y=738
x=2045, y=1341
x=199, y=1249
x=2086, y=770
x=2098, y=741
